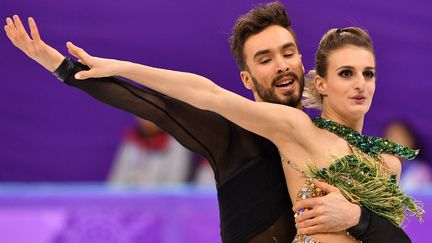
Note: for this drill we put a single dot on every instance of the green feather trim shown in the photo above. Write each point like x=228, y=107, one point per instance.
x=362, y=180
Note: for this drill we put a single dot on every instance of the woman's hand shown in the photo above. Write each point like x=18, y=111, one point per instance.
x=32, y=46
x=99, y=67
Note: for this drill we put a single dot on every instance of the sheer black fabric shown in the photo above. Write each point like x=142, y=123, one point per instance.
x=252, y=194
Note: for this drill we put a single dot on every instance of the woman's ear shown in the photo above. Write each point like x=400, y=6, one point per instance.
x=321, y=85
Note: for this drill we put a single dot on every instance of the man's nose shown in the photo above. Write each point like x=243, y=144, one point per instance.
x=281, y=65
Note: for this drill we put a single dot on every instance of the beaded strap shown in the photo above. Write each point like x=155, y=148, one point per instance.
x=370, y=145
x=355, y=151
x=292, y=165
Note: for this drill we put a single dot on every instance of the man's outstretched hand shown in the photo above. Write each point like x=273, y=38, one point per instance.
x=32, y=45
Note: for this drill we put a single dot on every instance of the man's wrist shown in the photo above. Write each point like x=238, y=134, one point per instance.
x=355, y=217
x=363, y=223
x=63, y=71
x=53, y=62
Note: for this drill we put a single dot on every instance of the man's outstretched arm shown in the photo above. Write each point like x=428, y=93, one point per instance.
x=200, y=131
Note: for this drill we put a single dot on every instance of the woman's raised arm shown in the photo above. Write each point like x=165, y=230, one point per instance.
x=273, y=121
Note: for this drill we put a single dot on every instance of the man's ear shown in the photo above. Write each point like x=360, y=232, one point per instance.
x=302, y=63
x=247, y=80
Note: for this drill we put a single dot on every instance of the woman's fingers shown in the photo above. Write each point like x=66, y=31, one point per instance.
x=78, y=53
x=85, y=74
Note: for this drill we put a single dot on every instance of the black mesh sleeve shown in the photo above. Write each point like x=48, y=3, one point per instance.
x=373, y=228
x=198, y=130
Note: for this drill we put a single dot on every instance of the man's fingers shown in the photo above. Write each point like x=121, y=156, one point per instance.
x=327, y=188
x=310, y=230
x=9, y=23
x=7, y=32
x=11, y=29
x=22, y=33
x=307, y=203
x=308, y=223
x=34, y=29
x=306, y=216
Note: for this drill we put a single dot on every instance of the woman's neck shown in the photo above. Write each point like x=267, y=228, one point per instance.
x=356, y=124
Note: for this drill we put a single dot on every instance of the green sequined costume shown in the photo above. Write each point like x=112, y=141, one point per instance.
x=363, y=177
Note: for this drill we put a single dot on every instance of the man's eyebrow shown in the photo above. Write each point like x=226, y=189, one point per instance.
x=288, y=45
x=266, y=51
x=261, y=52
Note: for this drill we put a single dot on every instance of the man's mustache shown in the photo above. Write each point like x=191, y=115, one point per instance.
x=285, y=74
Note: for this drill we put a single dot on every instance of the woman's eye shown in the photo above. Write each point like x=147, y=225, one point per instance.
x=369, y=74
x=345, y=73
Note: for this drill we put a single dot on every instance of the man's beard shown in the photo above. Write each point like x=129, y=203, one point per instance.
x=267, y=94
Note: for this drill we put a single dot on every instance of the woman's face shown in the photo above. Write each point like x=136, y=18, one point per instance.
x=350, y=83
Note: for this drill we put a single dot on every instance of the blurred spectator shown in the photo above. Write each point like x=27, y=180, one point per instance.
x=149, y=156
x=417, y=172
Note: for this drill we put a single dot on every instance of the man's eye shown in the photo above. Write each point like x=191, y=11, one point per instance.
x=265, y=61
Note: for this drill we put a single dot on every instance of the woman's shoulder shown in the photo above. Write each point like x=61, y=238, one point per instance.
x=393, y=162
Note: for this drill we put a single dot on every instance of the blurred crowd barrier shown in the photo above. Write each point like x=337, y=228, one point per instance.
x=101, y=213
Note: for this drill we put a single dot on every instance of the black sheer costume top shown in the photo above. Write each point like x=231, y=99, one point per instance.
x=254, y=205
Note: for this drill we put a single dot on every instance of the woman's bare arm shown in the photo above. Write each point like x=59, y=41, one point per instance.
x=276, y=122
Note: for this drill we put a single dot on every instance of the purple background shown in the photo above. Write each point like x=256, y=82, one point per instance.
x=51, y=132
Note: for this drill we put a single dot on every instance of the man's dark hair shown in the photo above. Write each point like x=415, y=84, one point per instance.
x=255, y=21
